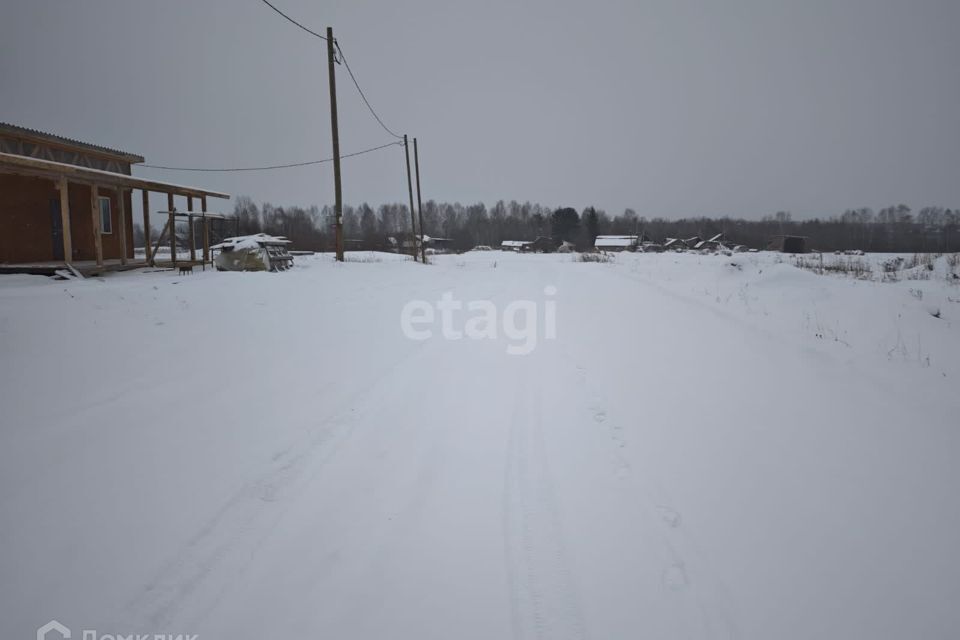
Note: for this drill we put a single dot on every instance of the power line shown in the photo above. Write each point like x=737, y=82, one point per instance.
x=275, y=166
x=311, y=32
x=357, y=85
x=345, y=63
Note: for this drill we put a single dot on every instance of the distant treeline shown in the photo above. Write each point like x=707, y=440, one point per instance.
x=892, y=229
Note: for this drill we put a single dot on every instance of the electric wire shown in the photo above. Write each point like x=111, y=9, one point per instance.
x=310, y=31
x=269, y=167
x=360, y=91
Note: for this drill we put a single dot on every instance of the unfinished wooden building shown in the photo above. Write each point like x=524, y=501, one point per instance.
x=65, y=202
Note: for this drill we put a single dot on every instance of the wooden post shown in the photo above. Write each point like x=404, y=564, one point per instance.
x=146, y=226
x=122, y=212
x=193, y=243
x=193, y=240
x=416, y=162
x=173, y=229
x=335, y=134
x=206, y=232
x=413, y=220
x=64, y=187
x=97, y=230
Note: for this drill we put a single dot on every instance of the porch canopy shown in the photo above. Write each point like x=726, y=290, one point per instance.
x=63, y=174
x=22, y=165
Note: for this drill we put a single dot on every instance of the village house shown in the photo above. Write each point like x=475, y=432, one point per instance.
x=542, y=244
x=713, y=244
x=66, y=203
x=407, y=245
x=437, y=245
x=617, y=243
x=514, y=245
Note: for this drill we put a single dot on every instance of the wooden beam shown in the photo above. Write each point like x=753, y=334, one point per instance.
x=97, y=231
x=173, y=229
x=122, y=212
x=146, y=225
x=156, y=248
x=64, y=187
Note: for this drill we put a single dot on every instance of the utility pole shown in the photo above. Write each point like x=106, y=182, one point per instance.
x=338, y=193
x=416, y=163
x=413, y=219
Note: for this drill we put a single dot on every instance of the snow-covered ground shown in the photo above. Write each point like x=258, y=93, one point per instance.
x=712, y=447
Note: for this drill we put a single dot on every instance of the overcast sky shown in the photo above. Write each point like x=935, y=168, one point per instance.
x=671, y=107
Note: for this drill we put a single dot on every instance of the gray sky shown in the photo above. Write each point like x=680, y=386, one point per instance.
x=672, y=107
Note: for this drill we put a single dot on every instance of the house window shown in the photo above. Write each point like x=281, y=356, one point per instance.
x=106, y=221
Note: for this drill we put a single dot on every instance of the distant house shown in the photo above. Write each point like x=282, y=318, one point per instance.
x=788, y=244
x=65, y=202
x=438, y=245
x=543, y=244
x=674, y=244
x=713, y=244
x=408, y=244
x=617, y=243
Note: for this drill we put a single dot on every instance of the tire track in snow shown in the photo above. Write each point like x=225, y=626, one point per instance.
x=543, y=599
x=228, y=542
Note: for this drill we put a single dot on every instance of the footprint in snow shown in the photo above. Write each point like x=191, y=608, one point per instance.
x=670, y=516
x=675, y=577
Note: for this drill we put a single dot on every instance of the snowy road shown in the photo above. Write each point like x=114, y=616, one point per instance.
x=268, y=456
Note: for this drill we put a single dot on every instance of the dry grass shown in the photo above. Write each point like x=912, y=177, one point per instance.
x=852, y=266
x=593, y=257
x=919, y=266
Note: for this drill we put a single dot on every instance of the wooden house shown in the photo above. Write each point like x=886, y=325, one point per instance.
x=542, y=244
x=617, y=243
x=514, y=245
x=65, y=202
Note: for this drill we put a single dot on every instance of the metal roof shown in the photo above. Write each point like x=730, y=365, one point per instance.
x=13, y=129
